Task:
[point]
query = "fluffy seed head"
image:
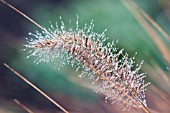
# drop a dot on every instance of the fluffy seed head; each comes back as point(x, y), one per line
point(105, 64)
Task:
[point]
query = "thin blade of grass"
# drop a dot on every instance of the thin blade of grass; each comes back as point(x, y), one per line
point(157, 26)
point(149, 30)
point(36, 88)
point(23, 106)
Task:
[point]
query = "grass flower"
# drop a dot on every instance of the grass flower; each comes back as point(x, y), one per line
point(107, 65)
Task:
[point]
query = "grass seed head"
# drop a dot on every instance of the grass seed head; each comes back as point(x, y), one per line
point(106, 64)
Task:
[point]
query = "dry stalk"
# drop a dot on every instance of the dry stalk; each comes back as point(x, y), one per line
point(23, 106)
point(36, 88)
point(156, 25)
point(149, 30)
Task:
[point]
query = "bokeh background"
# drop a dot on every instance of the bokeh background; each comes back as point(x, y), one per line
point(123, 20)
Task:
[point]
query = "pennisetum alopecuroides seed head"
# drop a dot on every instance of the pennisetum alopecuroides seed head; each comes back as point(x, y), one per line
point(107, 65)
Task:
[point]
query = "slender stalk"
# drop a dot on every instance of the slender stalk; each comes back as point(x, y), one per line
point(149, 30)
point(36, 88)
point(143, 13)
point(23, 106)
point(24, 15)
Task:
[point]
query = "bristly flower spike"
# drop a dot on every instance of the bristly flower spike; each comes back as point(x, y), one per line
point(107, 65)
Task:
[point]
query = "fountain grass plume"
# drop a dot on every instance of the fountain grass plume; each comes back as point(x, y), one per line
point(85, 50)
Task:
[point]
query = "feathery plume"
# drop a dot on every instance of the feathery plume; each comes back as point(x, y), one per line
point(105, 64)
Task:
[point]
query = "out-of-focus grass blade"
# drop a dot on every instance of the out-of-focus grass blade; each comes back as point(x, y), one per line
point(149, 30)
point(143, 13)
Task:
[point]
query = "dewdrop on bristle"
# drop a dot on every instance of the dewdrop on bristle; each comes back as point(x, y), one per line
point(84, 49)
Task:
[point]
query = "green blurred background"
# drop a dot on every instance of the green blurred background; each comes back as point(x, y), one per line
point(63, 85)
